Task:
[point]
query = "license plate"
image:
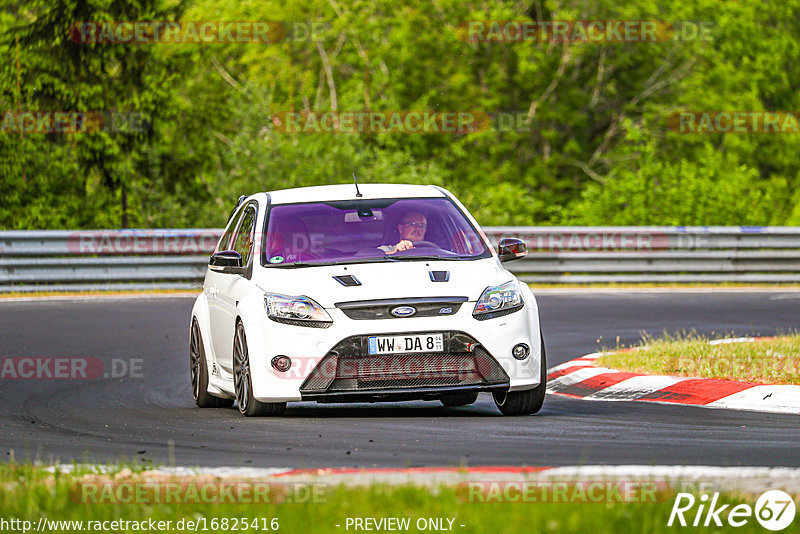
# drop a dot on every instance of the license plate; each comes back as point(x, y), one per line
point(405, 344)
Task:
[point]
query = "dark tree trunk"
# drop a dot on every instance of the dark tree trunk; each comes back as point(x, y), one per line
point(124, 207)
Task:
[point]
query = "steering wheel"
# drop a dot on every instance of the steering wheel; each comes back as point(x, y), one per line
point(424, 244)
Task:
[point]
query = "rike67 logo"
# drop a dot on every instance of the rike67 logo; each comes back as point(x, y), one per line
point(774, 510)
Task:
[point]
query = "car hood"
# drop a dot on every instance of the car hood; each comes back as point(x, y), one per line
point(406, 279)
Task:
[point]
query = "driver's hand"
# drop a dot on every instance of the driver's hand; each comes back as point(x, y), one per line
point(405, 244)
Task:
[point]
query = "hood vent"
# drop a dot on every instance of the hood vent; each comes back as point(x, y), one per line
point(347, 280)
point(439, 276)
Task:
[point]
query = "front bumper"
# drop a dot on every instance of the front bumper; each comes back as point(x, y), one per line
point(320, 350)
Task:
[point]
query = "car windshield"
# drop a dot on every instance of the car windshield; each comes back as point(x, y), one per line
point(369, 230)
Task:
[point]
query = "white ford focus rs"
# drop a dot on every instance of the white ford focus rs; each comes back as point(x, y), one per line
point(390, 293)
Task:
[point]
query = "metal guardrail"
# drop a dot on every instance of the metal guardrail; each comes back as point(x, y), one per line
point(579, 255)
point(176, 259)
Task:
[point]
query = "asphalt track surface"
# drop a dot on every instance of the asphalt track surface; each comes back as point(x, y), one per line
point(136, 418)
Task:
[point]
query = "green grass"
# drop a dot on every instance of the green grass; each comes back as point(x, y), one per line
point(768, 361)
point(29, 493)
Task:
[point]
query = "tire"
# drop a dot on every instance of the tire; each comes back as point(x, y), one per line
point(462, 399)
point(198, 372)
point(524, 402)
point(243, 381)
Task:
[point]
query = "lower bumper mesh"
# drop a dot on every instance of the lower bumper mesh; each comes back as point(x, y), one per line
point(347, 370)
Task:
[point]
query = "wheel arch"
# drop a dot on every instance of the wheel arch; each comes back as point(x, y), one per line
point(201, 315)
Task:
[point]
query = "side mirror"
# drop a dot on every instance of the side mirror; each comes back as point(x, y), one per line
point(511, 248)
point(226, 261)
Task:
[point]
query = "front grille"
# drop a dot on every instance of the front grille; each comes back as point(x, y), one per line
point(409, 382)
point(382, 309)
point(410, 364)
point(346, 369)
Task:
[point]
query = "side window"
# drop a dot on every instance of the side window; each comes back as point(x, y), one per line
point(243, 240)
point(225, 240)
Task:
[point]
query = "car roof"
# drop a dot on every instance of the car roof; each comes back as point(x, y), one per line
point(348, 192)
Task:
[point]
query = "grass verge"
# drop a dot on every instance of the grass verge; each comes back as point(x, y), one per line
point(769, 361)
point(29, 493)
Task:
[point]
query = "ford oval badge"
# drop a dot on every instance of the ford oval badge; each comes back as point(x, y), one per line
point(404, 311)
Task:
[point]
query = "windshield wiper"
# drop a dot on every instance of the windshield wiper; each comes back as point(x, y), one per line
point(334, 262)
point(429, 257)
point(303, 264)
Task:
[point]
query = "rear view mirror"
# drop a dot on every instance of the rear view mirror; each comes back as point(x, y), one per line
point(226, 261)
point(362, 215)
point(511, 248)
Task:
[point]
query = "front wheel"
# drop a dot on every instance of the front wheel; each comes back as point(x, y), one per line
point(243, 381)
point(524, 402)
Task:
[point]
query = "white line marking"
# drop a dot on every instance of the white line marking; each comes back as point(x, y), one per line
point(731, 340)
point(583, 360)
point(247, 472)
point(674, 471)
point(775, 399)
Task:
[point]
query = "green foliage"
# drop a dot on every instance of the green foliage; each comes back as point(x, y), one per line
point(595, 147)
point(96, 178)
point(712, 189)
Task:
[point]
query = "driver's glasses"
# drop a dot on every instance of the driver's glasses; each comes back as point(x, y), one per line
point(417, 225)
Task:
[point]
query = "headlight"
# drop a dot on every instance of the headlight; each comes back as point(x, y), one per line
point(300, 311)
point(498, 300)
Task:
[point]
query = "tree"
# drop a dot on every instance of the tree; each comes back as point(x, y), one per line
point(108, 172)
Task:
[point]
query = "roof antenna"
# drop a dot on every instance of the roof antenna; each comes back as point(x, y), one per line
point(358, 193)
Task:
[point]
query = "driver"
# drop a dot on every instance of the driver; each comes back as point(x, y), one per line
point(412, 228)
